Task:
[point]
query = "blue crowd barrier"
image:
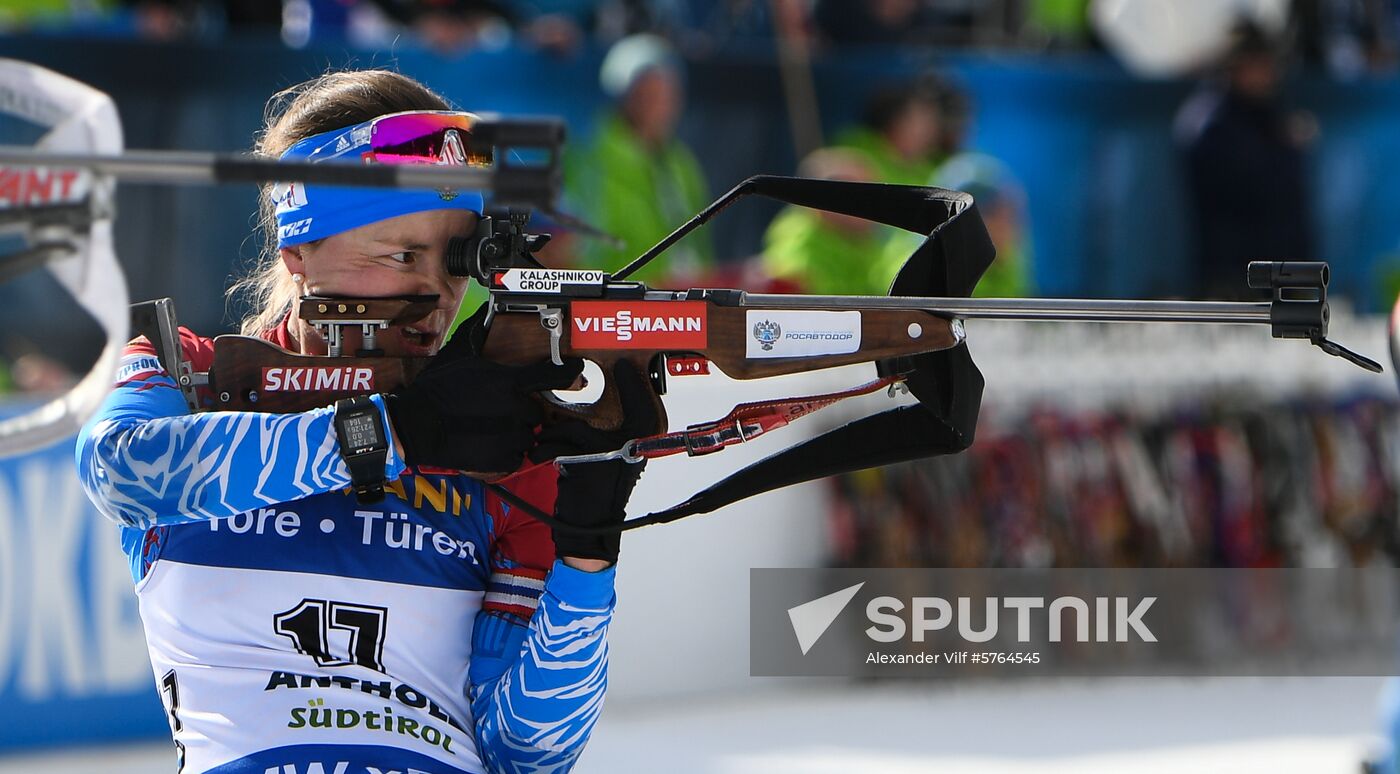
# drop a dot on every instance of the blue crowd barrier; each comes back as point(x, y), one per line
point(73, 663)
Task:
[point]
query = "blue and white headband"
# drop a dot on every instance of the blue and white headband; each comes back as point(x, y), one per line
point(308, 212)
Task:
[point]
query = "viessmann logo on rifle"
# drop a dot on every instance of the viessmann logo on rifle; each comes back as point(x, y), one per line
point(311, 378)
point(639, 325)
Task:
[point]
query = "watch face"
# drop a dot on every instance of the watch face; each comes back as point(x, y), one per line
point(361, 432)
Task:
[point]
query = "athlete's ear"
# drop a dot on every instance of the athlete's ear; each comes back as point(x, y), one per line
point(293, 260)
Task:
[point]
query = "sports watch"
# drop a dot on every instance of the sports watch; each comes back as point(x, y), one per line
point(359, 427)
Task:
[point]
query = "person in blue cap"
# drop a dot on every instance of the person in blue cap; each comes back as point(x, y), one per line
point(292, 627)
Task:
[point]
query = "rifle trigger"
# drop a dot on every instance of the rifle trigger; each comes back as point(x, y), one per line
point(553, 321)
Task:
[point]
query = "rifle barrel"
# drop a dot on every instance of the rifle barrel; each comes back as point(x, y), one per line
point(1100, 310)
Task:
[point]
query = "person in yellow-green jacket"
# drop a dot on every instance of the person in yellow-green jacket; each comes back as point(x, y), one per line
point(901, 134)
point(822, 252)
point(635, 180)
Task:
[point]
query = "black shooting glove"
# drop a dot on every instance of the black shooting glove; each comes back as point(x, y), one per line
point(464, 412)
point(594, 494)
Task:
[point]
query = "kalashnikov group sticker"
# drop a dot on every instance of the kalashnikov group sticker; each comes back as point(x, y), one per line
point(776, 333)
point(547, 280)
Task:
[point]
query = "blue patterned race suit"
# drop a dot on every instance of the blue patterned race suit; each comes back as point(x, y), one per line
point(292, 629)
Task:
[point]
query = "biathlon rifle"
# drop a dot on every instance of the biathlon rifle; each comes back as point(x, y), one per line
point(914, 336)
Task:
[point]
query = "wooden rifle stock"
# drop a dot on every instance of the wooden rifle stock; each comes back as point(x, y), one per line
point(251, 374)
point(518, 339)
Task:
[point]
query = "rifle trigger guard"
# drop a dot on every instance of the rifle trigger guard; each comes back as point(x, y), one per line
point(553, 321)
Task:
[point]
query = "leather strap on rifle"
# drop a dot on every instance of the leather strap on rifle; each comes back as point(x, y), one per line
point(746, 422)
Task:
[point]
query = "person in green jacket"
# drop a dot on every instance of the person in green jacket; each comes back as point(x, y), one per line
point(635, 180)
point(901, 135)
point(823, 252)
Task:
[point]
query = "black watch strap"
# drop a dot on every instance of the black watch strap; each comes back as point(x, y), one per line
point(364, 445)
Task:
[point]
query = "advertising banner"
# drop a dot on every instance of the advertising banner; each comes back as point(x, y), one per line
point(73, 664)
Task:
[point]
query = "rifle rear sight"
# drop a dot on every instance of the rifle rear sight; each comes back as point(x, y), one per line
point(500, 243)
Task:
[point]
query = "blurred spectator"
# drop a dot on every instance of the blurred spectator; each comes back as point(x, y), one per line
point(902, 133)
point(1347, 37)
point(908, 130)
point(446, 26)
point(811, 251)
point(744, 21)
point(549, 22)
point(869, 22)
point(562, 26)
point(24, 368)
point(699, 27)
point(558, 29)
point(973, 23)
point(636, 180)
point(457, 26)
point(1245, 168)
point(360, 22)
point(166, 20)
point(1000, 197)
point(38, 373)
point(1001, 200)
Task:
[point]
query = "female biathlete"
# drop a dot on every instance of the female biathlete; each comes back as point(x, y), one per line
point(291, 627)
